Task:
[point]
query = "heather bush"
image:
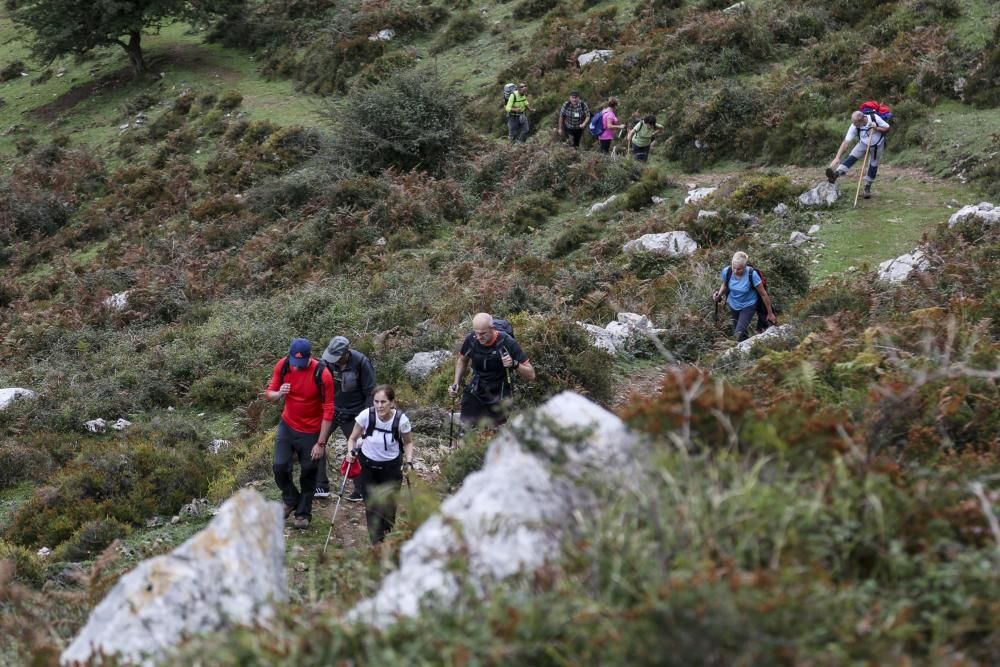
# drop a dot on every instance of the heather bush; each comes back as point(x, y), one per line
point(20, 462)
point(465, 459)
point(412, 119)
point(90, 539)
point(27, 567)
point(222, 390)
point(462, 28)
point(530, 9)
point(640, 195)
point(572, 238)
point(763, 192)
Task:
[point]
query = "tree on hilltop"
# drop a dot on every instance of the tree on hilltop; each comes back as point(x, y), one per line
point(64, 27)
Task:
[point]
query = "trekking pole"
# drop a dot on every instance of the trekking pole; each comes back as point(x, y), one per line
point(451, 421)
point(864, 166)
point(333, 519)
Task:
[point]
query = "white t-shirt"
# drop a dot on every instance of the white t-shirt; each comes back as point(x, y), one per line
point(381, 446)
point(863, 134)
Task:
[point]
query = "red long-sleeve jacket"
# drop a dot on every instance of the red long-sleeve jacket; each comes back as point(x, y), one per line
point(304, 410)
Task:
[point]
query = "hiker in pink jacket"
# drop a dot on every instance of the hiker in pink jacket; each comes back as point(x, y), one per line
point(611, 125)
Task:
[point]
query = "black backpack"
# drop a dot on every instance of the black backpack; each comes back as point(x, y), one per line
point(317, 374)
point(394, 430)
point(504, 326)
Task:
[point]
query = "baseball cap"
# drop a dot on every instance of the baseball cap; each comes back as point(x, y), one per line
point(335, 349)
point(299, 353)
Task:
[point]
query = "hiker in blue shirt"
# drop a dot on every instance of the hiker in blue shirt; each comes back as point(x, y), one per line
point(746, 294)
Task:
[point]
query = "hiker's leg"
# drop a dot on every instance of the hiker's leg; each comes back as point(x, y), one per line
point(525, 128)
point(322, 476)
point(605, 146)
point(640, 153)
point(513, 124)
point(743, 318)
point(282, 466)
point(856, 154)
point(577, 134)
point(383, 517)
point(472, 409)
point(873, 161)
point(303, 444)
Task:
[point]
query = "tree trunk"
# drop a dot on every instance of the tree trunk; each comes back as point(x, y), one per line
point(134, 51)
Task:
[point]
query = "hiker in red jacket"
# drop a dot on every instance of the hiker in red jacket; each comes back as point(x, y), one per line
point(305, 425)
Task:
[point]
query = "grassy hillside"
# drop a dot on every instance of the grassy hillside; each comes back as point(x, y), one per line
point(280, 174)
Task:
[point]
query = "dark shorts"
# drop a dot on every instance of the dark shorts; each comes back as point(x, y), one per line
point(494, 407)
point(640, 153)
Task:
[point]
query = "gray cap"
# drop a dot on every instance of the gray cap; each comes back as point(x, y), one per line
point(335, 349)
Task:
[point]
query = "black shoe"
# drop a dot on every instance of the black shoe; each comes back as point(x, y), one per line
point(321, 492)
point(868, 191)
point(831, 175)
point(355, 496)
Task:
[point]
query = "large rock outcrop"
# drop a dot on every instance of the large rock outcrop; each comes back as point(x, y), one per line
point(771, 334)
point(508, 517)
point(824, 194)
point(616, 335)
point(229, 573)
point(423, 364)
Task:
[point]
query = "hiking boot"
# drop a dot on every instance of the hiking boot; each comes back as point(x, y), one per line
point(321, 492)
point(832, 175)
point(355, 495)
point(288, 509)
point(301, 522)
point(868, 191)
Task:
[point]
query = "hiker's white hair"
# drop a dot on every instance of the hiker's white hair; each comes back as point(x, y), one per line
point(740, 260)
point(856, 116)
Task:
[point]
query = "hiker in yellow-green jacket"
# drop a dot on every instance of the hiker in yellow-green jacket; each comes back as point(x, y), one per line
point(517, 108)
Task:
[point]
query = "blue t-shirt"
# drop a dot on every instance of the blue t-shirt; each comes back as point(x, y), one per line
point(741, 295)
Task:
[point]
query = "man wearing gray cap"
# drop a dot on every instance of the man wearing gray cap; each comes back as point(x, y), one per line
point(353, 384)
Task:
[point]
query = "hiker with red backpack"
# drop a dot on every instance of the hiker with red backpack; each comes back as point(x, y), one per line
point(385, 449)
point(604, 123)
point(307, 389)
point(495, 358)
point(869, 125)
point(746, 294)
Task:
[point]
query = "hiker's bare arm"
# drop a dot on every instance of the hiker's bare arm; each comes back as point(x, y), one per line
point(320, 447)
point(525, 371)
point(840, 151)
point(461, 364)
point(767, 303)
point(722, 291)
point(352, 442)
point(279, 394)
point(407, 446)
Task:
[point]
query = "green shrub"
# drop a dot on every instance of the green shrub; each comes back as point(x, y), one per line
point(572, 238)
point(28, 568)
point(11, 71)
point(230, 100)
point(20, 462)
point(411, 119)
point(530, 211)
point(640, 195)
point(222, 390)
point(90, 539)
point(462, 28)
point(763, 193)
point(532, 9)
point(464, 460)
point(382, 67)
point(787, 274)
point(983, 86)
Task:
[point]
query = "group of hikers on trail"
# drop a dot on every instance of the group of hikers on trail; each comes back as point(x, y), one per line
point(339, 389)
point(575, 116)
point(869, 125)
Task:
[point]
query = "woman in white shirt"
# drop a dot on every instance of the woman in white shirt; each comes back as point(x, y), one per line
point(386, 446)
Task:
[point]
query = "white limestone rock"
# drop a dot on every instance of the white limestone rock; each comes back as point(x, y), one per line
point(697, 194)
point(824, 194)
point(121, 424)
point(770, 334)
point(596, 56)
point(671, 244)
point(616, 335)
point(229, 573)
point(384, 35)
point(984, 212)
point(509, 517)
point(601, 205)
point(707, 214)
point(117, 302)
point(420, 367)
point(781, 210)
point(11, 394)
point(797, 239)
point(813, 230)
point(897, 270)
point(734, 9)
point(96, 425)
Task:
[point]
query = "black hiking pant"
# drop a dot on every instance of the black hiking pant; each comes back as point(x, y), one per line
point(480, 402)
point(742, 318)
point(380, 482)
point(574, 133)
point(290, 444)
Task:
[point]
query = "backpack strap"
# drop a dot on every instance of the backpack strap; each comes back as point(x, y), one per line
point(286, 364)
point(395, 429)
point(371, 423)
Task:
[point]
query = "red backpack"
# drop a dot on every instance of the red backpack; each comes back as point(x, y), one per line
point(871, 107)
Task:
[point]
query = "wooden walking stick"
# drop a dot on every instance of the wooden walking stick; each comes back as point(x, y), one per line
point(864, 167)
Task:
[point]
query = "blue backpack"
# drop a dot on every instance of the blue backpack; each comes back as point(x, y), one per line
point(597, 124)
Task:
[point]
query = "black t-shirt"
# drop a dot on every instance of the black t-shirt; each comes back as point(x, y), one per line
point(485, 359)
